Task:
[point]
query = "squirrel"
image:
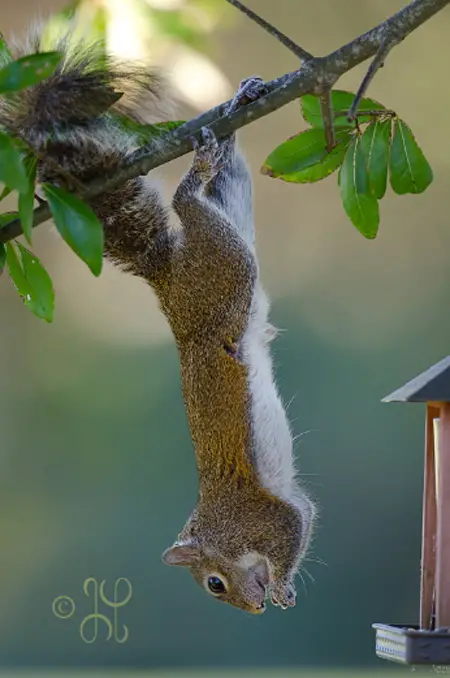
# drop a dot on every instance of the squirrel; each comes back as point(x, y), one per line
point(251, 526)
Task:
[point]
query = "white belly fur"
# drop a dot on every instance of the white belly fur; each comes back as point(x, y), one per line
point(273, 439)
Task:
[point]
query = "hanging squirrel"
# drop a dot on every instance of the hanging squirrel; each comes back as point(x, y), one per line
point(251, 526)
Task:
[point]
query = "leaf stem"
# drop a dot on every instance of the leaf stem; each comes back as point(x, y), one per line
point(388, 42)
point(326, 109)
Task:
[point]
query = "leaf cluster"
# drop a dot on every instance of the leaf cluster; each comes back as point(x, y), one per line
point(368, 150)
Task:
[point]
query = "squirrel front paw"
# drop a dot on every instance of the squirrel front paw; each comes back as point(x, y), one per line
point(208, 156)
point(282, 593)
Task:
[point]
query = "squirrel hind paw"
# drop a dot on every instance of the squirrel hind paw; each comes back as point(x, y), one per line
point(208, 142)
point(208, 155)
point(250, 89)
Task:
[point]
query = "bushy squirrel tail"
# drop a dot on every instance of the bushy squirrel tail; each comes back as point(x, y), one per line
point(72, 121)
point(86, 87)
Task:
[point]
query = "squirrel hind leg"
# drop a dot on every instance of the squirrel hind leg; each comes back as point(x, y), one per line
point(231, 191)
point(231, 187)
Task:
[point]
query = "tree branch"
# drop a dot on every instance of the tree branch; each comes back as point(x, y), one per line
point(313, 77)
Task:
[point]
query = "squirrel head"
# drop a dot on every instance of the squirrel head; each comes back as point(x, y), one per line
point(241, 583)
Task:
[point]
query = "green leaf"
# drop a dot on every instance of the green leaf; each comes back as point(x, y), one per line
point(42, 297)
point(6, 191)
point(146, 132)
point(28, 71)
point(375, 144)
point(26, 200)
point(296, 154)
point(160, 128)
point(356, 193)
point(409, 169)
point(291, 160)
point(16, 271)
point(2, 256)
point(78, 225)
point(181, 26)
point(31, 281)
point(5, 54)
point(7, 217)
point(325, 167)
point(12, 168)
point(341, 101)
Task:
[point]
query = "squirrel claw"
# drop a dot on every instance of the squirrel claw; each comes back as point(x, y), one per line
point(208, 155)
point(249, 90)
point(282, 594)
point(209, 139)
point(208, 143)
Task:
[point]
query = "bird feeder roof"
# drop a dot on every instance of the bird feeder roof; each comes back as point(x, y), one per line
point(431, 385)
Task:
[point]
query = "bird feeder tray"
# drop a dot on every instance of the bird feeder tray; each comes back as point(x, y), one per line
point(412, 645)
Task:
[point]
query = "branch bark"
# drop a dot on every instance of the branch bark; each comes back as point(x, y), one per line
point(315, 75)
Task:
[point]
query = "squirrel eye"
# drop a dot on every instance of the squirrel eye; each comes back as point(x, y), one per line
point(216, 585)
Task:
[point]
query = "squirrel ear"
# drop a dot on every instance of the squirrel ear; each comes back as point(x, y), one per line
point(181, 553)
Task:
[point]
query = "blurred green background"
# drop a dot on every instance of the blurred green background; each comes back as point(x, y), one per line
point(97, 472)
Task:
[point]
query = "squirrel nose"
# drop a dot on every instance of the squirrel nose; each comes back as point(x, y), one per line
point(260, 608)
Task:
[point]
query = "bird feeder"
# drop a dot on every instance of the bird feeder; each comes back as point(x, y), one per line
point(429, 641)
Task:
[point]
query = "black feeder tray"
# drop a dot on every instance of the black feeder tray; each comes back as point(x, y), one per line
point(429, 642)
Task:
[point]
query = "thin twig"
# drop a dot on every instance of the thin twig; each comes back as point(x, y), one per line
point(280, 92)
point(326, 109)
point(281, 37)
point(387, 44)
